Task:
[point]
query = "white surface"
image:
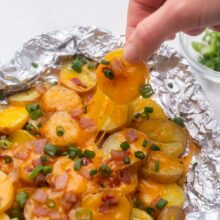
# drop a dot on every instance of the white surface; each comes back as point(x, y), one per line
point(22, 19)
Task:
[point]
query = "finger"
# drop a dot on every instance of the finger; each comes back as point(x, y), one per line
point(216, 28)
point(195, 32)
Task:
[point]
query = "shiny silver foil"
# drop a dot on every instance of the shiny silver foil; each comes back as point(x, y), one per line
point(185, 99)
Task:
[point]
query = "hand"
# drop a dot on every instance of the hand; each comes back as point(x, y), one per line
point(150, 22)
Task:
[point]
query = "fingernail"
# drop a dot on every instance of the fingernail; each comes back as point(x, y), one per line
point(131, 53)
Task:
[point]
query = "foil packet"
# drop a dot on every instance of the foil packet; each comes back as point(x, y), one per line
point(185, 99)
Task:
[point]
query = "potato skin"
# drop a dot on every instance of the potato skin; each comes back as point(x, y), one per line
point(70, 126)
point(169, 169)
point(173, 212)
point(59, 98)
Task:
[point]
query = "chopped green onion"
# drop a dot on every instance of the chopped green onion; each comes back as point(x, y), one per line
point(108, 73)
point(60, 131)
point(149, 210)
point(148, 109)
point(44, 158)
point(124, 145)
point(21, 198)
point(65, 153)
point(46, 170)
point(170, 85)
point(8, 159)
point(29, 127)
point(146, 91)
point(34, 111)
point(145, 143)
point(127, 160)
point(139, 154)
point(154, 147)
point(78, 164)
point(105, 170)
point(32, 107)
point(179, 121)
point(35, 172)
point(34, 65)
point(93, 172)
point(89, 154)
point(156, 166)
point(144, 115)
point(77, 65)
point(161, 204)
point(52, 150)
point(72, 154)
point(74, 151)
point(105, 62)
point(51, 204)
point(84, 214)
point(91, 66)
point(4, 143)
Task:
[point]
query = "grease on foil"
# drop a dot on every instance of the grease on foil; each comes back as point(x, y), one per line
point(185, 99)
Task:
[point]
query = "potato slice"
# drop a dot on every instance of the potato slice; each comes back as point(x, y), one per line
point(162, 168)
point(13, 118)
point(119, 208)
point(138, 214)
point(106, 114)
point(170, 137)
point(112, 148)
point(24, 98)
point(80, 82)
point(141, 103)
point(70, 127)
point(4, 216)
point(172, 213)
point(120, 80)
point(59, 98)
point(21, 137)
point(6, 192)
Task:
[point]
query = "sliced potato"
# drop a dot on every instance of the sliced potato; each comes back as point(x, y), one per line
point(141, 103)
point(122, 80)
point(4, 216)
point(106, 114)
point(172, 213)
point(138, 214)
point(111, 146)
point(59, 98)
point(119, 208)
point(13, 118)
point(162, 167)
point(6, 192)
point(24, 98)
point(21, 137)
point(80, 82)
point(170, 137)
point(71, 130)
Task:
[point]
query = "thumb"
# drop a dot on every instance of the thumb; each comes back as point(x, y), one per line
point(149, 34)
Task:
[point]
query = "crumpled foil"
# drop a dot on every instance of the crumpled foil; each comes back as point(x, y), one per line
point(185, 99)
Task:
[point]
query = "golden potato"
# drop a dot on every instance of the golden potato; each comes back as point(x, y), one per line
point(6, 192)
point(162, 167)
point(120, 80)
point(138, 214)
point(59, 98)
point(61, 121)
point(107, 204)
point(106, 114)
point(13, 118)
point(24, 98)
point(127, 143)
point(140, 104)
point(4, 216)
point(170, 137)
point(21, 137)
point(172, 213)
point(80, 82)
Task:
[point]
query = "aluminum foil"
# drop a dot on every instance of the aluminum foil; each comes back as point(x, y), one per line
point(185, 99)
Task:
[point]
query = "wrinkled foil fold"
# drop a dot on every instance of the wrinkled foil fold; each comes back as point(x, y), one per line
point(185, 99)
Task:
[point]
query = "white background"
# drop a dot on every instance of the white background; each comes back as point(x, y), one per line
point(22, 19)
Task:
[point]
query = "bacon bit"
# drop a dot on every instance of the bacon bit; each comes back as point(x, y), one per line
point(87, 124)
point(118, 155)
point(55, 215)
point(40, 196)
point(61, 181)
point(22, 155)
point(13, 175)
point(41, 89)
point(125, 177)
point(40, 180)
point(36, 162)
point(76, 113)
point(117, 65)
point(40, 211)
point(131, 135)
point(77, 82)
point(109, 201)
point(39, 145)
point(68, 200)
point(114, 181)
point(85, 173)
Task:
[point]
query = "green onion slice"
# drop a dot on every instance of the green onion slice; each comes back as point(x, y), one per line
point(84, 214)
point(21, 198)
point(105, 170)
point(146, 91)
point(124, 145)
point(52, 150)
point(161, 203)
